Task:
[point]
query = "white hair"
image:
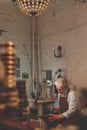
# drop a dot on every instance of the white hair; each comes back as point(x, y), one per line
point(61, 82)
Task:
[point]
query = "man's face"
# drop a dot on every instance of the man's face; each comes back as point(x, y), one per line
point(59, 87)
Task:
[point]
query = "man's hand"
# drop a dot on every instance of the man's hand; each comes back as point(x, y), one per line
point(54, 117)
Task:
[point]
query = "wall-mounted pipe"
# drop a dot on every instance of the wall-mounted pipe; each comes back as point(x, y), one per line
point(33, 50)
point(39, 61)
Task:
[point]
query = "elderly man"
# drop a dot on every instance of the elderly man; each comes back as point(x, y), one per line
point(67, 103)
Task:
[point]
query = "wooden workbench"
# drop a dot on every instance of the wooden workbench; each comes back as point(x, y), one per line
point(44, 106)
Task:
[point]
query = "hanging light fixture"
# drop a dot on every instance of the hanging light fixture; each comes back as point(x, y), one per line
point(33, 7)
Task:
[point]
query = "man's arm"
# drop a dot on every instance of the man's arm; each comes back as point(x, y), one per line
point(72, 104)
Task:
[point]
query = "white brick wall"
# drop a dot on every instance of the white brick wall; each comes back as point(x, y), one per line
point(19, 31)
point(68, 27)
point(64, 23)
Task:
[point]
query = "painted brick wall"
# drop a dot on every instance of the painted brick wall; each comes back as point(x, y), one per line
point(19, 31)
point(66, 25)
